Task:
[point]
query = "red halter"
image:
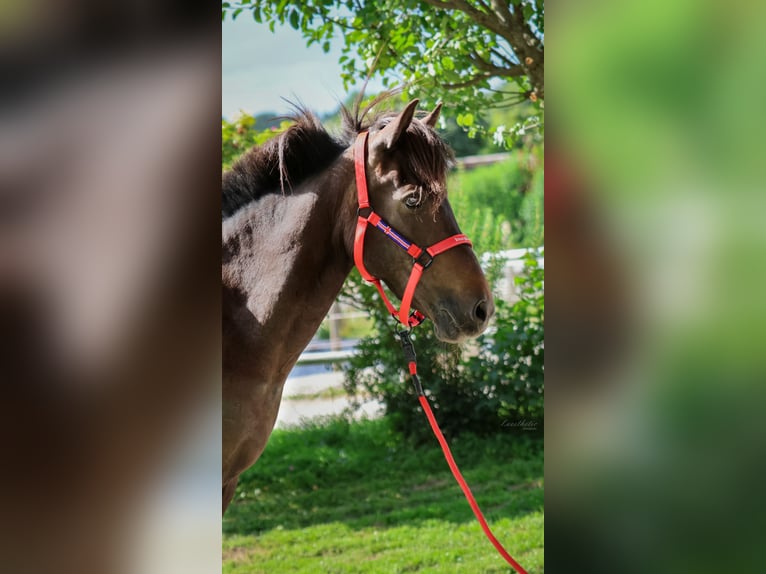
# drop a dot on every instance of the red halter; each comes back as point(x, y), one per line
point(422, 257)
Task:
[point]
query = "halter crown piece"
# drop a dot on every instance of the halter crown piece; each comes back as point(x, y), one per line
point(422, 258)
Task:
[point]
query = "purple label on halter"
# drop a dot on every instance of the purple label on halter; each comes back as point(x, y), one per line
point(400, 241)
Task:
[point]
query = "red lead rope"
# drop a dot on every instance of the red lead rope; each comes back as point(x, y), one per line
point(422, 259)
point(409, 353)
point(464, 486)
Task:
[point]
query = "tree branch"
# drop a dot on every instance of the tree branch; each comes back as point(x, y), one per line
point(506, 92)
point(484, 5)
point(343, 24)
point(401, 61)
point(508, 72)
point(526, 46)
point(502, 57)
point(500, 7)
point(520, 26)
point(505, 49)
point(489, 21)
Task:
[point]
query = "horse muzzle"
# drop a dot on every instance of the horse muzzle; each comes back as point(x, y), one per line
point(454, 322)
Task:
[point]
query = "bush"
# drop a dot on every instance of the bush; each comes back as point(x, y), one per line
point(483, 387)
point(510, 362)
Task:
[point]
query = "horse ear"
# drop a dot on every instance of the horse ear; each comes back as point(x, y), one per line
point(390, 134)
point(430, 119)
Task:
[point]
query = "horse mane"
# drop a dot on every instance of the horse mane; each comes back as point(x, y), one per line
point(285, 161)
point(306, 148)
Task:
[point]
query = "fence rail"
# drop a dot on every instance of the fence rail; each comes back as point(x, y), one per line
point(471, 161)
point(325, 357)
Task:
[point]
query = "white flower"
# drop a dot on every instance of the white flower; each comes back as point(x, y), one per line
point(498, 135)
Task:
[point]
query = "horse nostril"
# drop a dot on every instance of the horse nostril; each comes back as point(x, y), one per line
point(480, 311)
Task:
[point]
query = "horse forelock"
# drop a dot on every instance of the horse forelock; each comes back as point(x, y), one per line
point(427, 159)
point(422, 154)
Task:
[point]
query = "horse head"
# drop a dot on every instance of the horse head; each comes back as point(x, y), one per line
point(406, 173)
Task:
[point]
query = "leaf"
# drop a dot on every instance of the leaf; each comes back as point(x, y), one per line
point(326, 47)
point(448, 63)
point(528, 12)
point(294, 19)
point(465, 120)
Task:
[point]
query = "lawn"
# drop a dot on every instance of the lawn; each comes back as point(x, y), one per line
point(355, 497)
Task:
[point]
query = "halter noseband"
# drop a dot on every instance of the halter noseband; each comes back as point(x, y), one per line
point(422, 258)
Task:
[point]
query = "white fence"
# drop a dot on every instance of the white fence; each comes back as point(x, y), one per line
point(506, 288)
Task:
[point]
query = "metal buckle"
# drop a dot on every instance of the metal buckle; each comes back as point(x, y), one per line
point(419, 259)
point(407, 347)
point(360, 209)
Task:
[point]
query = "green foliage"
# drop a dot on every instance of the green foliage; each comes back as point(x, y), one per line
point(455, 54)
point(507, 197)
point(458, 138)
point(358, 497)
point(532, 213)
point(496, 383)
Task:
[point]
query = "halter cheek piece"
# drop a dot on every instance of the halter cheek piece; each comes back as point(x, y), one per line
point(422, 258)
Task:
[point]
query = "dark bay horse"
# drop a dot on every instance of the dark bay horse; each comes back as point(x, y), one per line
point(289, 222)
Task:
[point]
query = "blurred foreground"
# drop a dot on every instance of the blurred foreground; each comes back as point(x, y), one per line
point(655, 279)
point(109, 266)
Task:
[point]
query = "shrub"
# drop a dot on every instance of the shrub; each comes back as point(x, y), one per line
point(510, 362)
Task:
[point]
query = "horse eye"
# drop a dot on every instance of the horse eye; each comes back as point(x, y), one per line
point(412, 201)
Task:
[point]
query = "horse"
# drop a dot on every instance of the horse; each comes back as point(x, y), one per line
point(290, 217)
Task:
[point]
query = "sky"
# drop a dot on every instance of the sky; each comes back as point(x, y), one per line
point(259, 68)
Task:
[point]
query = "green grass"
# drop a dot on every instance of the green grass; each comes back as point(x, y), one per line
point(356, 498)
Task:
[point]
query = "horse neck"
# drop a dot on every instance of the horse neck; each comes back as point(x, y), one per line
point(286, 257)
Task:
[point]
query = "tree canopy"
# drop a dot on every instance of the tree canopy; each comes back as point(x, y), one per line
point(471, 54)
